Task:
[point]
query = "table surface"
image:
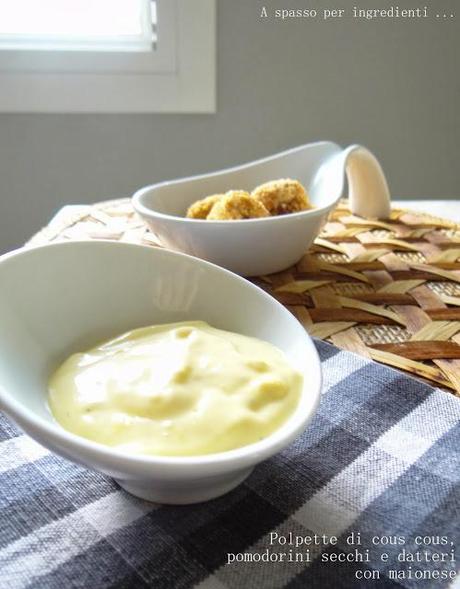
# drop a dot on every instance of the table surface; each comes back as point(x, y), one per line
point(380, 458)
point(449, 209)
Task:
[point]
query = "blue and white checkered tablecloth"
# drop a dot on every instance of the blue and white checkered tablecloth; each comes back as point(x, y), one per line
point(380, 460)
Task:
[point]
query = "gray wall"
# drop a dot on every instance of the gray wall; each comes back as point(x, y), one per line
point(393, 86)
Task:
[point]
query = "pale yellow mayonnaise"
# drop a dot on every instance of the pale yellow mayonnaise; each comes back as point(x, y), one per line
point(181, 389)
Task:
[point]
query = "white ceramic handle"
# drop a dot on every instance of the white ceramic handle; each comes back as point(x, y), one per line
point(368, 191)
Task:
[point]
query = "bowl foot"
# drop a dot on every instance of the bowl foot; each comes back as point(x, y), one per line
point(185, 492)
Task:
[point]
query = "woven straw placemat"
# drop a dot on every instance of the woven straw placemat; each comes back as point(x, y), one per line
point(388, 290)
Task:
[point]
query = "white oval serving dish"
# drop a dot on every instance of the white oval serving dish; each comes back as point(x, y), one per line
point(65, 297)
point(253, 247)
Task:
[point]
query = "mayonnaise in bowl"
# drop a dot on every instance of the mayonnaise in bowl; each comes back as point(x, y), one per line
point(181, 389)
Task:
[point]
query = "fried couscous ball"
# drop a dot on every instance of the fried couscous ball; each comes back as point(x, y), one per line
point(237, 204)
point(282, 196)
point(201, 208)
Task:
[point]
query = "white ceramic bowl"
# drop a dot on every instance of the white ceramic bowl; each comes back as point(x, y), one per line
point(252, 247)
point(65, 297)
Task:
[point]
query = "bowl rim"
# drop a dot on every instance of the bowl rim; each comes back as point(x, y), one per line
point(143, 209)
point(248, 454)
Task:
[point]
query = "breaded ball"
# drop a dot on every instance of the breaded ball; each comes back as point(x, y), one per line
point(237, 204)
point(282, 196)
point(201, 208)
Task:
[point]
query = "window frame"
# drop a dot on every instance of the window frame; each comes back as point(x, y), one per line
point(179, 76)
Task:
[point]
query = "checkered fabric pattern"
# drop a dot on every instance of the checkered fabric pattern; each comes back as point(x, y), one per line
point(380, 458)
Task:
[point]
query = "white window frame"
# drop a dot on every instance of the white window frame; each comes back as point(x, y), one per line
point(179, 76)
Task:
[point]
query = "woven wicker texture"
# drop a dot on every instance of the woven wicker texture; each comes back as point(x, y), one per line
point(388, 290)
